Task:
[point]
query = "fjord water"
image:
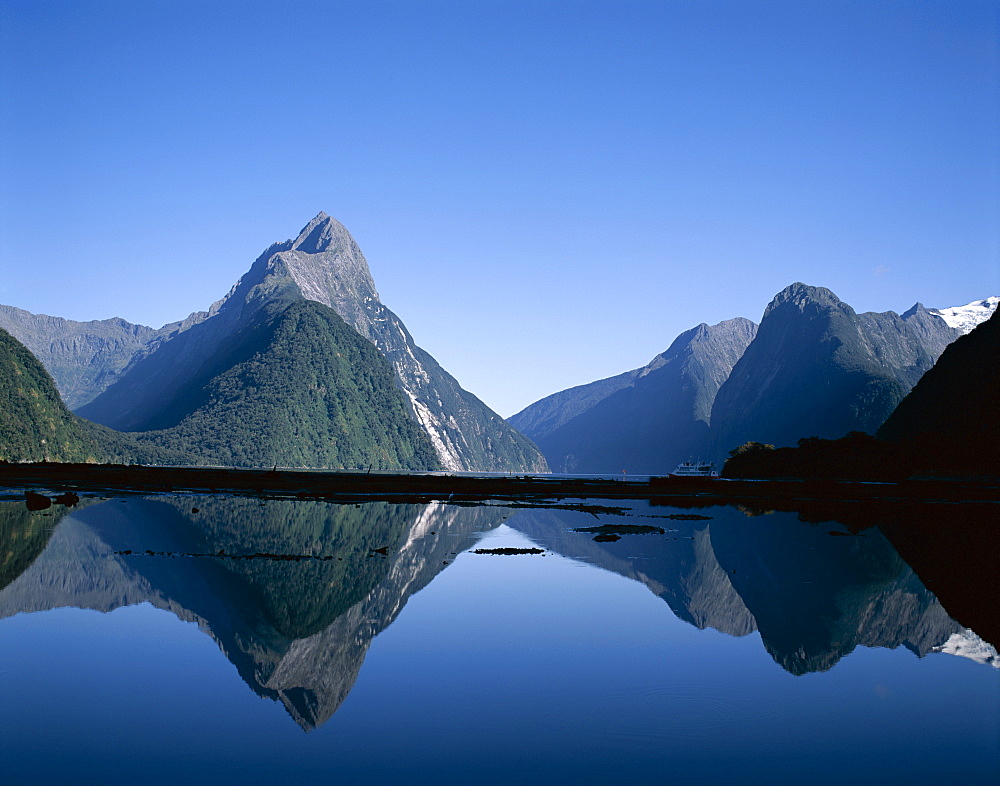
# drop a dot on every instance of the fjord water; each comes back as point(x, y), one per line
point(186, 638)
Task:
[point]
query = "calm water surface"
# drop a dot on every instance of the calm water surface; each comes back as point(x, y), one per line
point(201, 639)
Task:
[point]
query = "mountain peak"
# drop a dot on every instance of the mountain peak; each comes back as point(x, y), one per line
point(799, 295)
point(916, 308)
point(319, 234)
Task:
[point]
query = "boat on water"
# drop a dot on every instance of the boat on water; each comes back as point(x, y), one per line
point(689, 470)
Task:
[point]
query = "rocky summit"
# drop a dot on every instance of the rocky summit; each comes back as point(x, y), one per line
point(322, 264)
point(818, 368)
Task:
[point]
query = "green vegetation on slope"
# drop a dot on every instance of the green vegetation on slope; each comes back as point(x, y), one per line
point(34, 423)
point(301, 389)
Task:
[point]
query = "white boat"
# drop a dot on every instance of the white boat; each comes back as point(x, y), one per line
point(695, 469)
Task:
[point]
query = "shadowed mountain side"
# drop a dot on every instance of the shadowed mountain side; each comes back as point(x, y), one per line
point(817, 368)
point(958, 400)
point(679, 567)
point(953, 549)
point(296, 389)
point(948, 425)
point(84, 358)
point(660, 415)
point(297, 630)
point(323, 265)
point(150, 394)
point(546, 415)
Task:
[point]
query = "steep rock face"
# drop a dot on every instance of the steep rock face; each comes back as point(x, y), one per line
point(325, 264)
point(925, 323)
point(322, 264)
point(816, 368)
point(659, 415)
point(84, 358)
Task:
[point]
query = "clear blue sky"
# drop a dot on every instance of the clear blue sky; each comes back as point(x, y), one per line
point(547, 192)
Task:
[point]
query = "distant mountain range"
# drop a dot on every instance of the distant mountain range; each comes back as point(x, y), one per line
point(85, 358)
point(280, 371)
point(646, 420)
point(813, 367)
point(300, 364)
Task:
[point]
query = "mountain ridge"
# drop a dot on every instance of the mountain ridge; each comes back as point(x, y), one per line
point(646, 420)
point(817, 368)
point(814, 367)
point(322, 264)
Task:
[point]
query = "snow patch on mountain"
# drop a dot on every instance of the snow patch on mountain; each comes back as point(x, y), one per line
point(967, 644)
point(966, 317)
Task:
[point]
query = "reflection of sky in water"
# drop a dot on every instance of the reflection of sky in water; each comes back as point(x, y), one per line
point(528, 668)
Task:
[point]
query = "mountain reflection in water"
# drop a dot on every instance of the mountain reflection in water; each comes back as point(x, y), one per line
point(294, 592)
point(813, 594)
point(297, 629)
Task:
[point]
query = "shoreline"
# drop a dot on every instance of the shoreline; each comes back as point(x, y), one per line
point(339, 485)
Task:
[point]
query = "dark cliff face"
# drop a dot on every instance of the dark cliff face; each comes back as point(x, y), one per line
point(322, 264)
point(817, 368)
point(956, 403)
point(645, 421)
